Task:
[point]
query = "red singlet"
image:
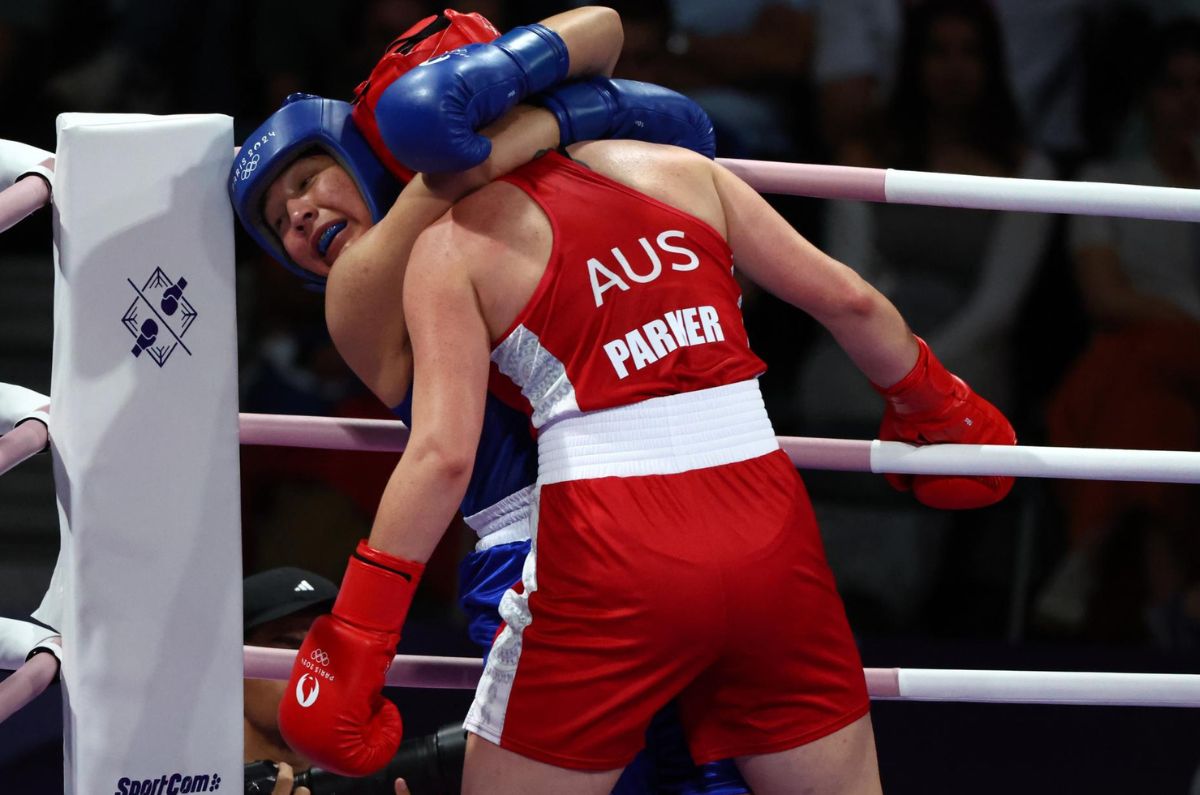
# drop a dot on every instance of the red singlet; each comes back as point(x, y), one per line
point(675, 553)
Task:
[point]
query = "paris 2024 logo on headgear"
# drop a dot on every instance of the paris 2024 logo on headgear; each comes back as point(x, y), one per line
point(159, 317)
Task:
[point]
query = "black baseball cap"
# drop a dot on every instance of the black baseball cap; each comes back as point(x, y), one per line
point(280, 592)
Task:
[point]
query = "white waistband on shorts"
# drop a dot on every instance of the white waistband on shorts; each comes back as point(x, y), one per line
point(659, 436)
point(502, 522)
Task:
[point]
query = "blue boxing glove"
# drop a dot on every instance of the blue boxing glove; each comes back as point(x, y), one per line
point(600, 107)
point(428, 117)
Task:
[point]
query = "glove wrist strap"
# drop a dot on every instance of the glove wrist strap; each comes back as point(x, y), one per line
point(926, 388)
point(377, 589)
point(584, 109)
point(541, 54)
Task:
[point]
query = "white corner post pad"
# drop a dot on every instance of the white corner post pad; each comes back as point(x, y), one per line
point(144, 400)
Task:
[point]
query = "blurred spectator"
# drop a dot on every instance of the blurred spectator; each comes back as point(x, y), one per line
point(323, 48)
point(856, 67)
point(158, 58)
point(1163, 11)
point(311, 506)
point(25, 57)
point(646, 55)
point(958, 276)
point(289, 366)
point(747, 63)
point(278, 607)
point(1138, 383)
point(223, 56)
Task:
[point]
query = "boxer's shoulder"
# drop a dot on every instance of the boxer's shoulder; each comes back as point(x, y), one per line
point(495, 224)
point(670, 174)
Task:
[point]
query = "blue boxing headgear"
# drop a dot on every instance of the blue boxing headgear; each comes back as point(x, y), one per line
point(304, 122)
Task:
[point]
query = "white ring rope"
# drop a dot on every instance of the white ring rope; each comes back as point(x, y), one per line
point(848, 455)
point(844, 455)
point(968, 191)
point(893, 684)
point(890, 684)
point(876, 185)
point(1036, 687)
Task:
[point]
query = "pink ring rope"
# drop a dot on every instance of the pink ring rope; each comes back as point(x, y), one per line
point(27, 683)
point(21, 199)
point(26, 440)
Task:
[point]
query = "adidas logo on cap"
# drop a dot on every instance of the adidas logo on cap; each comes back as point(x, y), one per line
point(304, 586)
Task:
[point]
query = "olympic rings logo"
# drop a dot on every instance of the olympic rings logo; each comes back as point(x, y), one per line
point(246, 170)
point(320, 656)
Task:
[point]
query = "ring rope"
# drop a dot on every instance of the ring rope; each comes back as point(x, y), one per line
point(21, 199)
point(894, 684)
point(25, 441)
point(29, 682)
point(885, 684)
point(849, 455)
point(968, 191)
point(845, 455)
point(894, 186)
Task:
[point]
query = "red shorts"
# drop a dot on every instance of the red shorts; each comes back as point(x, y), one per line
point(709, 586)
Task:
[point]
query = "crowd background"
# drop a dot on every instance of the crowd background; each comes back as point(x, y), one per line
point(1086, 332)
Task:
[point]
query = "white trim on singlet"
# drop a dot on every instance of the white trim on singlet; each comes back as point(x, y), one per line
point(503, 522)
point(659, 436)
point(538, 372)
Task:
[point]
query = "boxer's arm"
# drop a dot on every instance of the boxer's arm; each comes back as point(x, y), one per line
point(430, 117)
point(594, 37)
point(450, 345)
point(363, 306)
point(1108, 294)
point(925, 403)
point(363, 298)
point(516, 139)
point(778, 258)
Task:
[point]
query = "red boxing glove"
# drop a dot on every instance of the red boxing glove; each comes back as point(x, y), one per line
point(929, 405)
point(333, 709)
